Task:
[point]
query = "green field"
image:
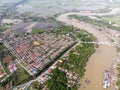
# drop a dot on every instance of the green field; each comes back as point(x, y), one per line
point(37, 31)
point(103, 22)
point(20, 76)
point(114, 19)
point(3, 28)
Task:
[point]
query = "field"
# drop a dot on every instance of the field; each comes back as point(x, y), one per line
point(44, 26)
point(3, 28)
point(101, 22)
point(114, 19)
point(20, 27)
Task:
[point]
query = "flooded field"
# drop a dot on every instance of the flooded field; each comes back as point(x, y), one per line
point(47, 7)
point(48, 26)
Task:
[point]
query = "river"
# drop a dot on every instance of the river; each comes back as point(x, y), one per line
point(100, 60)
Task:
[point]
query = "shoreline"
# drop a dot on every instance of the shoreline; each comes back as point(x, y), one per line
point(99, 60)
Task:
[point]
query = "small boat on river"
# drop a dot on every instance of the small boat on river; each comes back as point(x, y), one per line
point(107, 79)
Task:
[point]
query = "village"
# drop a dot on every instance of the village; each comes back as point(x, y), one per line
point(35, 52)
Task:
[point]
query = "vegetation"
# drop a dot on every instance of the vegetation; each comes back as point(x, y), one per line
point(24, 64)
point(100, 23)
point(3, 28)
point(118, 81)
point(79, 56)
point(113, 19)
point(5, 57)
point(105, 10)
point(85, 36)
point(35, 86)
point(58, 80)
point(63, 29)
point(37, 19)
point(20, 76)
point(118, 49)
point(37, 31)
point(75, 62)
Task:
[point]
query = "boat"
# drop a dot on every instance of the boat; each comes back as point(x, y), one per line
point(106, 82)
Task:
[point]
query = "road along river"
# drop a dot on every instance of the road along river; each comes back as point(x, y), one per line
point(100, 60)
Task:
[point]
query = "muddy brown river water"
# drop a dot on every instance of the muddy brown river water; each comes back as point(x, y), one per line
point(100, 60)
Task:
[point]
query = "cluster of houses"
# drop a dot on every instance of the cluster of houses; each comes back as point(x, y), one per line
point(71, 76)
point(113, 34)
point(10, 67)
point(37, 50)
point(45, 75)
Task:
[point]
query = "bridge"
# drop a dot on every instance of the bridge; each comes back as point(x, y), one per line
point(102, 43)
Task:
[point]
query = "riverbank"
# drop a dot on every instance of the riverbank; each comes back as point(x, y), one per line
point(99, 60)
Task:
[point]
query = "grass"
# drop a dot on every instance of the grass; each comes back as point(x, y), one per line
point(118, 81)
point(6, 70)
point(2, 77)
point(24, 64)
point(63, 29)
point(118, 50)
point(35, 86)
point(20, 76)
point(3, 28)
point(115, 19)
point(37, 31)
